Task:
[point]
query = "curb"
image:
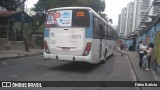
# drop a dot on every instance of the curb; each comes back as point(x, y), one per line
point(136, 76)
point(157, 78)
point(23, 56)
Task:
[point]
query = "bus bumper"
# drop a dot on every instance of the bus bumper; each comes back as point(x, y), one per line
point(68, 57)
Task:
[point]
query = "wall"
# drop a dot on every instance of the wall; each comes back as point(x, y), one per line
point(152, 35)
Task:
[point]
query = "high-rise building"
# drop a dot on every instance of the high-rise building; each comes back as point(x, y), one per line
point(129, 18)
point(119, 23)
point(152, 9)
point(155, 9)
point(136, 15)
point(123, 20)
point(140, 10)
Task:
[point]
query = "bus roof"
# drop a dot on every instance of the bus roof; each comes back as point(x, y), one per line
point(69, 8)
point(91, 10)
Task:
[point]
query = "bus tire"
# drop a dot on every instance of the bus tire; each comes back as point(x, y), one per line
point(112, 53)
point(103, 62)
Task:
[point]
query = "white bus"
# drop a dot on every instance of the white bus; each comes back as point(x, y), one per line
point(77, 34)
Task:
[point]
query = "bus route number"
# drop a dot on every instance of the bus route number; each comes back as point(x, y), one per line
point(80, 14)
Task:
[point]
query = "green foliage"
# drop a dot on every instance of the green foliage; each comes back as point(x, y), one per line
point(11, 5)
point(43, 5)
point(98, 5)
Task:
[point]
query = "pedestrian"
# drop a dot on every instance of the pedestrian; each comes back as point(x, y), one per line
point(145, 61)
point(149, 54)
point(142, 48)
point(140, 42)
point(122, 48)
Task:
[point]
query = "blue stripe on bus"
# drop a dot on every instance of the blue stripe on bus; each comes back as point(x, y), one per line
point(46, 33)
point(89, 31)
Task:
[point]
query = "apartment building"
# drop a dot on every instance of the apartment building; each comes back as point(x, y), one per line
point(123, 20)
point(140, 10)
point(129, 18)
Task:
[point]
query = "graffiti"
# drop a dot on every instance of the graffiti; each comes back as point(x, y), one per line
point(157, 48)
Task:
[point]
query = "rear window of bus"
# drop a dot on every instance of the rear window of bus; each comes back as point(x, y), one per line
point(68, 18)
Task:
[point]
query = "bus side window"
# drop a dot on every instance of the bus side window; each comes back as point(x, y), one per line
point(111, 34)
point(108, 32)
point(105, 32)
point(101, 31)
point(96, 33)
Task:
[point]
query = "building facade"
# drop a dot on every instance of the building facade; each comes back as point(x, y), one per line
point(140, 10)
point(123, 21)
point(119, 22)
point(129, 18)
point(155, 10)
point(136, 15)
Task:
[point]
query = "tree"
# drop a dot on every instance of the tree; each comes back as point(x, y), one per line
point(106, 18)
point(110, 20)
point(43, 5)
point(11, 5)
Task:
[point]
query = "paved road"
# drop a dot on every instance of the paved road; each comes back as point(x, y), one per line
point(116, 68)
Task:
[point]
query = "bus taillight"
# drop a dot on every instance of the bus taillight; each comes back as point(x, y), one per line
point(87, 49)
point(46, 47)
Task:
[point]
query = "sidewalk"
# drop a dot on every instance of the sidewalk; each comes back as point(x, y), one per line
point(141, 74)
point(18, 53)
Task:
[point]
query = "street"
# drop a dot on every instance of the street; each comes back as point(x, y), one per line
point(116, 68)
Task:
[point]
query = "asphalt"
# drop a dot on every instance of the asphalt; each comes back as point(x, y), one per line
point(151, 75)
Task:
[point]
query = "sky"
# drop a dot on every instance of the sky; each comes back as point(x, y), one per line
point(30, 3)
point(113, 8)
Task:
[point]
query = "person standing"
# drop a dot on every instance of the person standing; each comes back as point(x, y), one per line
point(145, 61)
point(142, 48)
point(122, 48)
point(149, 54)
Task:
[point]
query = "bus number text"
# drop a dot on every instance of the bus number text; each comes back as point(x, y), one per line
point(80, 14)
point(75, 36)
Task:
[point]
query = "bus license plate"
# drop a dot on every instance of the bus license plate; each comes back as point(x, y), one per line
point(65, 49)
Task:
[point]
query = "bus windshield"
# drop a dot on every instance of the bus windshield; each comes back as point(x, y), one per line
point(68, 18)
